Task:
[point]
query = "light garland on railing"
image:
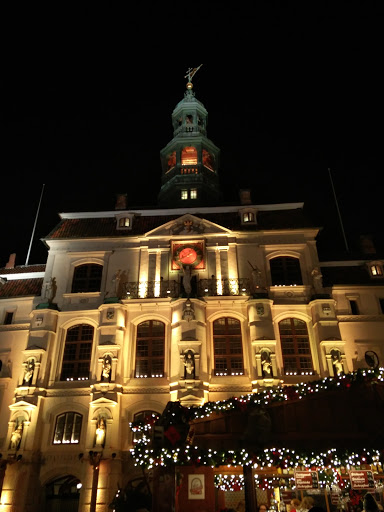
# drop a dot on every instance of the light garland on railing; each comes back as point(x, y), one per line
point(283, 458)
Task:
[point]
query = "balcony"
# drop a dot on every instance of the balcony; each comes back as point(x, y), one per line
point(174, 289)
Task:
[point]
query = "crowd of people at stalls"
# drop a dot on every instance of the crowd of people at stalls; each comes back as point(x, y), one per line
point(308, 504)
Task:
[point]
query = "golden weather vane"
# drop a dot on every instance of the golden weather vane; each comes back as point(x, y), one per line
point(191, 73)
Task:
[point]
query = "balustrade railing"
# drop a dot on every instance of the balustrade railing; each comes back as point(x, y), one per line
point(174, 289)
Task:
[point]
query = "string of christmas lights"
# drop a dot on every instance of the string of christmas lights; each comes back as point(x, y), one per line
point(285, 459)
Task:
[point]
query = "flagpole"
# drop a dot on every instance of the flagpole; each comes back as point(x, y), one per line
point(34, 227)
point(338, 211)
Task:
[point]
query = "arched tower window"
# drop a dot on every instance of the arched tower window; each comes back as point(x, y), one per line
point(189, 156)
point(77, 353)
point(286, 271)
point(295, 347)
point(150, 348)
point(208, 160)
point(228, 347)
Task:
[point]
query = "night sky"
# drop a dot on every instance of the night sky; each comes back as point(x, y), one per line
point(289, 93)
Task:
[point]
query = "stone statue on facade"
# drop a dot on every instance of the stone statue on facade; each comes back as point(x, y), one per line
point(100, 432)
point(266, 364)
point(189, 365)
point(28, 373)
point(107, 369)
point(317, 280)
point(337, 362)
point(16, 436)
point(187, 279)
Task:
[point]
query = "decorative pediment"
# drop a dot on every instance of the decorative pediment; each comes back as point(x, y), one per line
point(188, 225)
point(105, 399)
point(24, 402)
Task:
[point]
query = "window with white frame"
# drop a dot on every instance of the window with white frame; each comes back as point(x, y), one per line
point(295, 347)
point(150, 349)
point(227, 347)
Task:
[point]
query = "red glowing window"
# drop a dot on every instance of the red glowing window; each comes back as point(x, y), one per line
point(189, 156)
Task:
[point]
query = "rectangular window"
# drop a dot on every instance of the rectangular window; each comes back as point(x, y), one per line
point(227, 347)
point(125, 222)
point(184, 194)
point(193, 193)
point(8, 318)
point(376, 270)
point(354, 307)
point(248, 217)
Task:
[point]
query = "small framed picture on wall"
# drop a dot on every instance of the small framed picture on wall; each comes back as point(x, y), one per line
point(196, 487)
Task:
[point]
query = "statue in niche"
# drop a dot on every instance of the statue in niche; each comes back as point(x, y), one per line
point(106, 371)
point(100, 432)
point(317, 280)
point(28, 373)
point(337, 362)
point(189, 365)
point(16, 436)
point(188, 311)
point(266, 364)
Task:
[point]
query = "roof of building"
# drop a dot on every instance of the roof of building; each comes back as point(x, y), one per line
point(107, 226)
point(346, 274)
point(21, 287)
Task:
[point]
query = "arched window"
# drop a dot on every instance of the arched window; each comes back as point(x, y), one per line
point(143, 423)
point(285, 271)
point(227, 347)
point(68, 428)
point(150, 344)
point(77, 353)
point(294, 339)
point(189, 156)
point(87, 278)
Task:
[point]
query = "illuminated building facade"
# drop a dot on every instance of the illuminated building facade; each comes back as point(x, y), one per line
point(190, 302)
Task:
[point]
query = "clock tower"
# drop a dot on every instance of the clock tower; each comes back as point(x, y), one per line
point(190, 160)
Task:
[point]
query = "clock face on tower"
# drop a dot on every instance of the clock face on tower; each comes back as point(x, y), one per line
point(188, 253)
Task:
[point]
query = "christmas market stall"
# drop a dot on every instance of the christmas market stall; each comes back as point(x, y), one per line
point(322, 438)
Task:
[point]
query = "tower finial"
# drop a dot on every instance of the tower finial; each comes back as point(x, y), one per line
point(190, 74)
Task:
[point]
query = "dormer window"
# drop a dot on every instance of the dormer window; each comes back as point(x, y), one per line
point(124, 221)
point(376, 269)
point(248, 216)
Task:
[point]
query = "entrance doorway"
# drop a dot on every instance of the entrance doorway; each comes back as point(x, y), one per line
point(62, 494)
